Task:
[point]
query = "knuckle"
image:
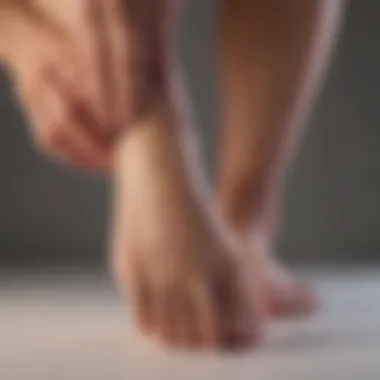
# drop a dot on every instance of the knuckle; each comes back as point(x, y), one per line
point(54, 134)
point(50, 138)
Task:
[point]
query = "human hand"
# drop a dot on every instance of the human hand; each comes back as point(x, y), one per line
point(96, 63)
point(114, 66)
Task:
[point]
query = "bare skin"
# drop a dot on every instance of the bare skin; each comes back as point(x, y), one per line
point(28, 45)
point(191, 281)
point(116, 47)
point(188, 279)
point(190, 284)
point(106, 54)
point(272, 57)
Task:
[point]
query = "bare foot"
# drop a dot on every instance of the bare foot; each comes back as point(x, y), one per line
point(285, 295)
point(188, 282)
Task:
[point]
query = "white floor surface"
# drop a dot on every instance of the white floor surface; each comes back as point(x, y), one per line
point(78, 332)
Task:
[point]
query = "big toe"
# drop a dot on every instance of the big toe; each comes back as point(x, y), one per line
point(292, 299)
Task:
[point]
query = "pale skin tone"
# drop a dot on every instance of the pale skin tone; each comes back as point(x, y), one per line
point(272, 55)
point(187, 277)
point(197, 279)
point(105, 52)
point(29, 45)
point(255, 144)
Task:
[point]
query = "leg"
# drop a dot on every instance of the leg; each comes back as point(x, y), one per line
point(186, 278)
point(273, 55)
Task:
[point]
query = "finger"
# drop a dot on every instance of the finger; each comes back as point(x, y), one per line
point(58, 145)
point(85, 153)
point(61, 135)
point(122, 61)
point(60, 76)
point(62, 149)
point(46, 112)
point(37, 119)
point(92, 48)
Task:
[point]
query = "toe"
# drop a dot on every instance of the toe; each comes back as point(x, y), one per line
point(293, 299)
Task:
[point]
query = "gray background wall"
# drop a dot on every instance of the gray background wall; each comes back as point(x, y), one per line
point(53, 217)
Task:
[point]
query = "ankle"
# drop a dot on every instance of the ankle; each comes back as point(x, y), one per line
point(247, 213)
point(156, 132)
point(240, 212)
point(160, 145)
